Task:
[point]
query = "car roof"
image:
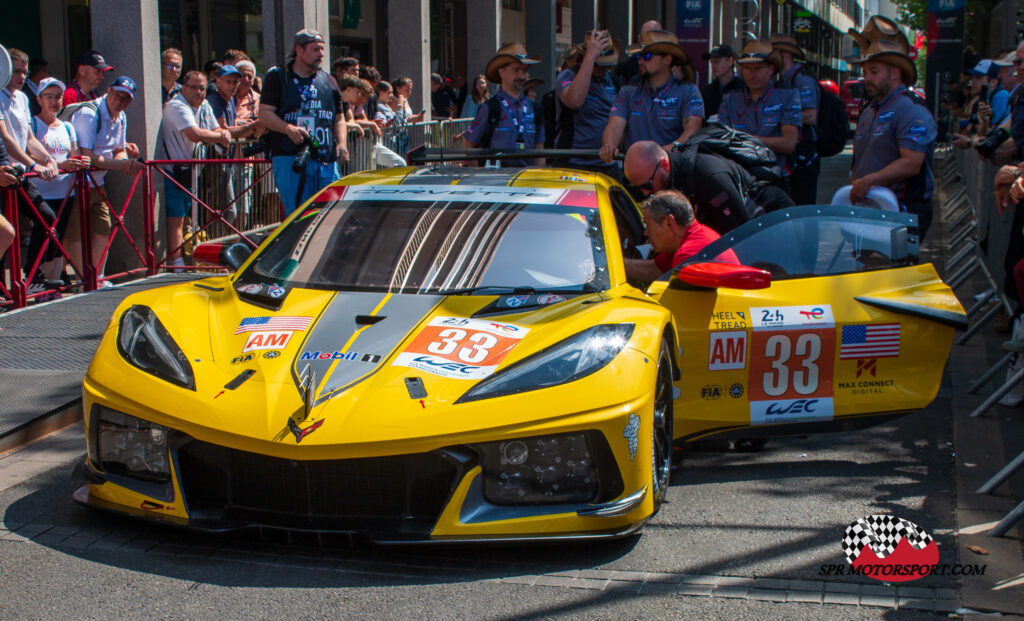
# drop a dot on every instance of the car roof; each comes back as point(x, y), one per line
point(457, 175)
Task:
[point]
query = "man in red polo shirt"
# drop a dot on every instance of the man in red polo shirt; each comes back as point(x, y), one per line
point(674, 234)
point(89, 72)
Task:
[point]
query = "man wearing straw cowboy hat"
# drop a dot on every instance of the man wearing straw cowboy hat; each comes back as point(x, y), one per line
point(764, 108)
point(508, 120)
point(662, 108)
point(895, 134)
point(584, 98)
point(806, 165)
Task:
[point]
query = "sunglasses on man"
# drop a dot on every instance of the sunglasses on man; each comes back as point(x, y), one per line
point(649, 185)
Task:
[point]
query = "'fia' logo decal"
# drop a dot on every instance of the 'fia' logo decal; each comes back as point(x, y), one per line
point(301, 433)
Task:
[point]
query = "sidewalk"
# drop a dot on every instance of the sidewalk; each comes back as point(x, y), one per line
point(46, 350)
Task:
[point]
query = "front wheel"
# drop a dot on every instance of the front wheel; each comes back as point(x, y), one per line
point(661, 436)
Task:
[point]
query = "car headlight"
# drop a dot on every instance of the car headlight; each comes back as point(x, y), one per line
point(130, 446)
point(541, 470)
point(146, 344)
point(565, 361)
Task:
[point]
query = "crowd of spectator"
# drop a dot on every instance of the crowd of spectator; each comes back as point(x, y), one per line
point(641, 104)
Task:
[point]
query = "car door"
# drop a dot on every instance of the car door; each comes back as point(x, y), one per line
point(851, 330)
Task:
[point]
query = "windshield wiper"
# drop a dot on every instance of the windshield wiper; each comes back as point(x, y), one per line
point(514, 290)
point(586, 287)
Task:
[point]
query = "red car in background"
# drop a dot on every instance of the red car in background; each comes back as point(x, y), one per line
point(852, 94)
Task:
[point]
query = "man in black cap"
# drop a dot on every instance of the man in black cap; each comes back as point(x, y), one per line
point(303, 113)
point(88, 75)
point(723, 78)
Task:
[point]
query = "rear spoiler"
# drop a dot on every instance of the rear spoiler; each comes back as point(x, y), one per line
point(424, 154)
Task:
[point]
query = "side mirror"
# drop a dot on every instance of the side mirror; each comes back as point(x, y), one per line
point(715, 275)
point(225, 255)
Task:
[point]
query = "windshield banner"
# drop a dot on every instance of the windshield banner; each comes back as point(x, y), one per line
point(455, 193)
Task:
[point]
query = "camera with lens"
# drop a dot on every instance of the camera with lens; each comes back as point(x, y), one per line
point(992, 141)
point(17, 170)
point(260, 145)
point(309, 145)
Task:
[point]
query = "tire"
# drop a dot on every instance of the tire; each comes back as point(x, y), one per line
point(661, 428)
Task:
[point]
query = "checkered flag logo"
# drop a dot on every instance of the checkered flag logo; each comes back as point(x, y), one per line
point(882, 533)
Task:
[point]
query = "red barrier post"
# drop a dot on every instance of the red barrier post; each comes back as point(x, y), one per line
point(18, 289)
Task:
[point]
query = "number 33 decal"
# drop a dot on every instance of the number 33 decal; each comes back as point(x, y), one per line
point(479, 345)
point(792, 364)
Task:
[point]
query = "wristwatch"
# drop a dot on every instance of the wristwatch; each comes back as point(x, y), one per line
point(676, 144)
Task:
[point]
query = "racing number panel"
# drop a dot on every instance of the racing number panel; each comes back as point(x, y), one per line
point(754, 359)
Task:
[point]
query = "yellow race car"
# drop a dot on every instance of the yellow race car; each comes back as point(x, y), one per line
point(445, 354)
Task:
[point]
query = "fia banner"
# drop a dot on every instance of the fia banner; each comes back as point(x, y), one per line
point(693, 27)
point(945, 52)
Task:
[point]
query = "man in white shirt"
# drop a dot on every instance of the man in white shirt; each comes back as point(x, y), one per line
point(23, 147)
point(102, 136)
point(188, 120)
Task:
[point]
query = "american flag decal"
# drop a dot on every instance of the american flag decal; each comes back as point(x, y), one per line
point(259, 324)
point(870, 341)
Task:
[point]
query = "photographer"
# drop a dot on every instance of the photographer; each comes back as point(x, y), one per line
point(307, 128)
point(188, 120)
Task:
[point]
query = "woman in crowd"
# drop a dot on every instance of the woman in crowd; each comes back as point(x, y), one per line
point(478, 94)
point(61, 142)
point(403, 111)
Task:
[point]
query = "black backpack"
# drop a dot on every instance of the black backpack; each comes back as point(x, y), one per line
point(493, 116)
point(740, 147)
point(558, 122)
point(833, 124)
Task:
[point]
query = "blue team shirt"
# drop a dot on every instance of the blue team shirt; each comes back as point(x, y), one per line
point(999, 101)
point(777, 106)
point(886, 126)
point(807, 87)
point(589, 121)
point(517, 124)
point(659, 114)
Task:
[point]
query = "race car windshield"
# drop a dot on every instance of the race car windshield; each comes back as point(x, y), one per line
point(417, 246)
point(819, 241)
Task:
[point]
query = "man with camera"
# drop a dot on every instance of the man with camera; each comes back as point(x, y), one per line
point(188, 120)
point(304, 116)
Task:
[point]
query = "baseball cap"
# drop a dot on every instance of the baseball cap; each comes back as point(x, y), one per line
point(307, 35)
point(436, 77)
point(1005, 61)
point(46, 83)
point(719, 51)
point(230, 70)
point(92, 58)
point(125, 85)
point(985, 67)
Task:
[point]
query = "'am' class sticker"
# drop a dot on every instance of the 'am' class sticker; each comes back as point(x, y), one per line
point(257, 341)
point(460, 348)
point(727, 350)
point(791, 317)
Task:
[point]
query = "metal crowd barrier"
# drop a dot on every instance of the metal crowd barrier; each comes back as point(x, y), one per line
point(979, 236)
point(232, 197)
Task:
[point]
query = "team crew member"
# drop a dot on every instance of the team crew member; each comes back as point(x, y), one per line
point(298, 105)
point(586, 95)
point(516, 126)
point(723, 78)
point(724, 193)
point(895, 135)
point(663, 108)
point(764, 108)
point(806, 165)
point(674, 234)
